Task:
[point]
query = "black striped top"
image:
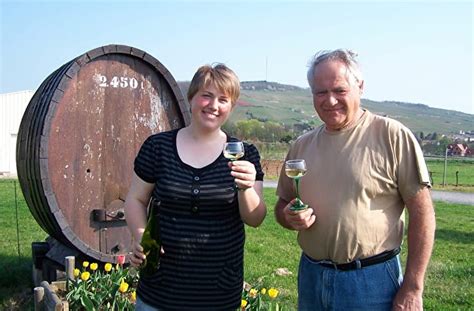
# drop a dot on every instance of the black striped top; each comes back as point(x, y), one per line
point(201, 230)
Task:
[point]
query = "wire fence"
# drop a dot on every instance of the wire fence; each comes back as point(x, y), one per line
point(454, 172)
point(18, 228)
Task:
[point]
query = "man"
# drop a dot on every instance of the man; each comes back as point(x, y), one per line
point(363, 170)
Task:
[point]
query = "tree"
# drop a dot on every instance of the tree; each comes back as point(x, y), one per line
point(256, 130)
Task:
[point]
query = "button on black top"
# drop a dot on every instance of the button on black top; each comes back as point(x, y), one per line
point(196, 191)
point(195, 209)
point(196, 178)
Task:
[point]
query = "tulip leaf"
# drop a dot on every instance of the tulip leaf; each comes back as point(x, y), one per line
point(151, 242)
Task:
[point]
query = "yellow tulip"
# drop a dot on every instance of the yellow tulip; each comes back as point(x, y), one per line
point(108, 267)
point(85, 264)
point(133, 296)
point(77, 272)
point(85, 275)
point(263, 291)
point(94, 266)
point(123, 287)
point(253, 293)
point(273, 292)
point(244, 303)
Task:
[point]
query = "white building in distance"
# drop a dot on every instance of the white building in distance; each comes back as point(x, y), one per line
point(12, 108)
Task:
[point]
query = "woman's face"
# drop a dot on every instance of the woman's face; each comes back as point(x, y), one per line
point(210, 107)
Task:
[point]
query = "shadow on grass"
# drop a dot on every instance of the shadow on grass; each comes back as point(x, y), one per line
point(16, 282)
point(15, 272)
point(454, 236)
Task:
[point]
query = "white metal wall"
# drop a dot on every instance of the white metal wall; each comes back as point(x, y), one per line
point(12, 107)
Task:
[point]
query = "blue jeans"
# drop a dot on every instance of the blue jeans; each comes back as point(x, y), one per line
point(370, 288)
point(142, 306)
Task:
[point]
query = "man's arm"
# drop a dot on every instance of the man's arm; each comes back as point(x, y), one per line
point(293, 220)
point(421, 230)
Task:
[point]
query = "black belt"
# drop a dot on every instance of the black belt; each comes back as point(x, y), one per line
point(358, 264)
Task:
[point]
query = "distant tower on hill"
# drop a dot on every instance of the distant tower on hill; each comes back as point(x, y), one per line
point(266, 69)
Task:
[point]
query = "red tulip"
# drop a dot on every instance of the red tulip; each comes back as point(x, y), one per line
point(121, 259)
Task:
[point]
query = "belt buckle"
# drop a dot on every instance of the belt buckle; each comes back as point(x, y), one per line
point(329, 262)
point(352, 265)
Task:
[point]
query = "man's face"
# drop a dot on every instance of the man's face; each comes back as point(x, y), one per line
point(336, 95)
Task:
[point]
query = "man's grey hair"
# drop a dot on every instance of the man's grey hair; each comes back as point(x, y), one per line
point(347, 57)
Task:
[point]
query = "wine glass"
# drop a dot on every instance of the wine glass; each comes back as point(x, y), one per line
point(234, 150)
point(296, 169)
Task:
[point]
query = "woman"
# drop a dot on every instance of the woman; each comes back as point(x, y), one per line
point(203, 202)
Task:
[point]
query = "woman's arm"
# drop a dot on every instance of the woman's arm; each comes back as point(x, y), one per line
point(136, 204)
point(251, 204)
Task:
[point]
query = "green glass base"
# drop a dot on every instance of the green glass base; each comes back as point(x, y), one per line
point(298, 206)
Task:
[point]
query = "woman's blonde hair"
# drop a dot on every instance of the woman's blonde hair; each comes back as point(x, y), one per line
point(219, 75)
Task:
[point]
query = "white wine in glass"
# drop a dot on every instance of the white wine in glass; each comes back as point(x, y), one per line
point(296, 169)
point(234, 150)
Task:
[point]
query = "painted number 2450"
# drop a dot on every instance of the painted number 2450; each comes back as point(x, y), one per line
point(120, 82)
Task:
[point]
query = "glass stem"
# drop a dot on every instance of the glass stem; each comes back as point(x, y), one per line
point(235, 185)
point(297, 181)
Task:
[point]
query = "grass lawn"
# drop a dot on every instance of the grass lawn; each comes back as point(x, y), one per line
point(450, 273)
point(459, 174)
point(448, 285)
point(16, 286)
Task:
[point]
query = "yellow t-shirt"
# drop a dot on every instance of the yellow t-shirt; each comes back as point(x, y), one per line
point(357, 182)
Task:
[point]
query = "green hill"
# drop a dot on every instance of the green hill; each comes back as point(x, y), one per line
point(291, 105)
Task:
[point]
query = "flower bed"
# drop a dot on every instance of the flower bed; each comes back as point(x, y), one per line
point(112, 287)
point(91, 287)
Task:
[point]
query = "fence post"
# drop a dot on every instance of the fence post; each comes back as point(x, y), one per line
point(69, 267)
point(39, 297)
point(445, 166)
point(457, 178)
point(17, 224)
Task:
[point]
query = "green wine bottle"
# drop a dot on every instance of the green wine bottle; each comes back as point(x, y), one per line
point(151, 242)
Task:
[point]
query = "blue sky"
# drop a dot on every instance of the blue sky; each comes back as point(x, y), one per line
point(418, 52)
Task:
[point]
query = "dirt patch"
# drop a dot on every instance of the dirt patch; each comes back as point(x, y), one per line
point(271, 168)
point(243, 103)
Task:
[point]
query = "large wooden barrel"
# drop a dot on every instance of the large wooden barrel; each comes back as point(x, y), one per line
point(79, 136)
